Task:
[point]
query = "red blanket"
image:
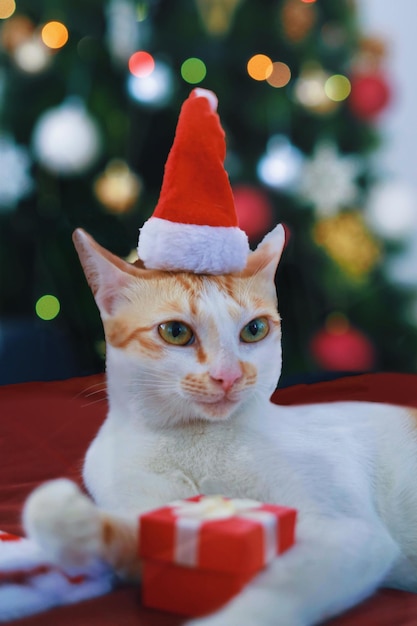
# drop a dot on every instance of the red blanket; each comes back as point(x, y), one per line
point(46, 428)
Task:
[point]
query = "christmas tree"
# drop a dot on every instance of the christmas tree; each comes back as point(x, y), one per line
point(90, 93)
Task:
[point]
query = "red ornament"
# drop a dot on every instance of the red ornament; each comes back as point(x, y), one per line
point(254, 210)
point(340, 347)
point(369, 95)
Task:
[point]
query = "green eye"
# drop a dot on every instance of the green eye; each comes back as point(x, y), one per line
point(176, 333)
point(256, 330)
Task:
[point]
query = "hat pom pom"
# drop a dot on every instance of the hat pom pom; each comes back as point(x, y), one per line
point(199, 92)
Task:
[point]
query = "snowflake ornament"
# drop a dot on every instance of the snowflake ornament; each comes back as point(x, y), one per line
point(15, 179)
point(328, 180)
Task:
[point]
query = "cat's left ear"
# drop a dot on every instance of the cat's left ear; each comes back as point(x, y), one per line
point(106, 274)
point(264, 260)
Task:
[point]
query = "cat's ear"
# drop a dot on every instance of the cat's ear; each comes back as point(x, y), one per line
point(264, 260)
point(106, 273)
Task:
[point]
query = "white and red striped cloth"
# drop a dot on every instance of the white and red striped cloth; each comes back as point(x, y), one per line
point(29, 583)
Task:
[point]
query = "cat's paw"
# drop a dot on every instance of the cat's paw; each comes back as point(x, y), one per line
point(64, 522)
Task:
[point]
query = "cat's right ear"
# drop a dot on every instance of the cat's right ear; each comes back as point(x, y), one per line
point(106, 273)
point(264, 260)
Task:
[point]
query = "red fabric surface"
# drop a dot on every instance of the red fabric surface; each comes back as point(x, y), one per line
point(45, 429)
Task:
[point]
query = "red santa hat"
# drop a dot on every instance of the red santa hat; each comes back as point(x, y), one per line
point(194, 227)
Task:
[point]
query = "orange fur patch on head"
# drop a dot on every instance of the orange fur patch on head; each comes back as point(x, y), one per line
point(119, 333)
point(153, 297)
point(201, 354)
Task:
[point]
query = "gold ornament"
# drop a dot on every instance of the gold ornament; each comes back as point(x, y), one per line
point(117, 188)
point(349, 243)
point(298, 19)
point(217, 15)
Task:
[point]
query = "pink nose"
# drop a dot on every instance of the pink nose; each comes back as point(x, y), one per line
point(227, 378)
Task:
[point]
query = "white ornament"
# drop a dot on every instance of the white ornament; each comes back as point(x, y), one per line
point(280, 167)
point(328, 180)
point(66, 139)
point(152, 90)
point(391, 209)
point(15, 179)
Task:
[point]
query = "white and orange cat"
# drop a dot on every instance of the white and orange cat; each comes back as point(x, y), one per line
point(192, 361)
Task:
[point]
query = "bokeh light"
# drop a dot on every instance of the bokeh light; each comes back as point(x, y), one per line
point(391, 209)
point(16, 31)
point(54, 35)
point(259, 67)
point(337, 87)
point(280, 167)
point(193, 70)
point(153, 90)
point(47, 307)
point(32, 56)
point(141, 64)
point(7, 8)
point(341, 347)
point(66, 139)
point(309, 89)
point(280, 75)
point(254, 210)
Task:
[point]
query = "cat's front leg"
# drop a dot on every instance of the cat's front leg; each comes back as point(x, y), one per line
point(334, 565)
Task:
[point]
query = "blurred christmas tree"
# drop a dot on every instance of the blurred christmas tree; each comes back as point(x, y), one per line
point(90, 93)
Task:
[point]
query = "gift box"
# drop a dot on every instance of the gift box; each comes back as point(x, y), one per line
point(198, 553)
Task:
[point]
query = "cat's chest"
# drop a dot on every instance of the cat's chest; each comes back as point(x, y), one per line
point(202, 450)
point(226, 459)
point(151, 468)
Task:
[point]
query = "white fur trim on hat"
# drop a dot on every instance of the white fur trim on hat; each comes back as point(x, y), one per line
point(200, 249)
point(209, 95)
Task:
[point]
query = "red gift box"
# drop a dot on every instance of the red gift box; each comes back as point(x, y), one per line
point(198, 553)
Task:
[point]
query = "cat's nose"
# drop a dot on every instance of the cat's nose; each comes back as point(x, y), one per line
point(227, 378)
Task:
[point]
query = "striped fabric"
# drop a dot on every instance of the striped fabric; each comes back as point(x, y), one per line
point(29, 583)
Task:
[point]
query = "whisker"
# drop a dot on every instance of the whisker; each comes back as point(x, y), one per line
point(98, 401)
point(101, 384)
point(94, 393)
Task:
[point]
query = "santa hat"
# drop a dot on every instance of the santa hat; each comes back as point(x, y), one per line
point(194, 227)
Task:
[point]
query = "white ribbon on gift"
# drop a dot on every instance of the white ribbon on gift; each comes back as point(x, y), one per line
point(192, 514)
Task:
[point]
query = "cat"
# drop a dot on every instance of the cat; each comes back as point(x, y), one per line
point(192, 361)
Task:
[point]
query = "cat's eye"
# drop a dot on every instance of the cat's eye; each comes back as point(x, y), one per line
point(256, 330)
point(176, 333)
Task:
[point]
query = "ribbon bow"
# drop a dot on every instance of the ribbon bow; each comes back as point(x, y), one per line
point(192, 514)
point(214, 507)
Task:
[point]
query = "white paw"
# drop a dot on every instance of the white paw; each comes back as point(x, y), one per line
point(63, 522)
